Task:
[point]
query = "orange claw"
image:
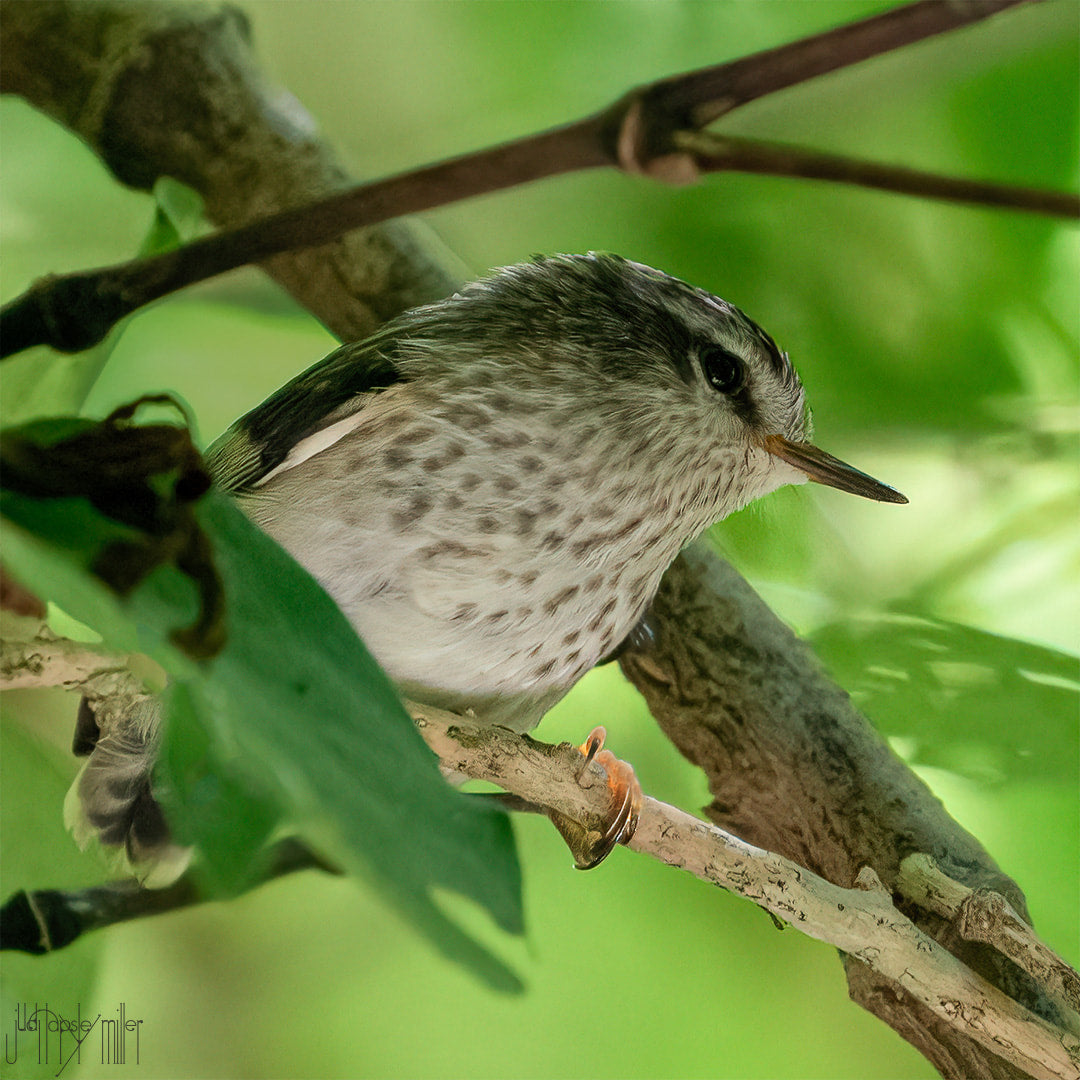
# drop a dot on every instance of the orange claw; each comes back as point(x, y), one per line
point(590, 848)
point(592, 745)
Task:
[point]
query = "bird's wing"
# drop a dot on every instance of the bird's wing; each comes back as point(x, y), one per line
point(308, 414)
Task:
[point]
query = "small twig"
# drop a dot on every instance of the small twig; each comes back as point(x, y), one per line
point(639, 134)
point(986, 916)
point(723, 153)
point(706, 95)
point(44, 920)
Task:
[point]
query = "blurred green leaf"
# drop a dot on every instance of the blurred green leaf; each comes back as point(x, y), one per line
point(307, 715)
point(42, 380)
point(178, 213)
point(985, 706)
point(228, 820)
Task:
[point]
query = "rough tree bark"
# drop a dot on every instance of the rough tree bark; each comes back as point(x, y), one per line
point(172, 90)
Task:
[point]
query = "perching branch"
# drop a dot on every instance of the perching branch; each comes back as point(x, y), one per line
point(32, 656)
point(654, 130)
point(794, 768)
point(861, 920)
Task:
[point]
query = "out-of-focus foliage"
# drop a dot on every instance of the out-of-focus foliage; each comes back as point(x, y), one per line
point(918, 676)
point(45, 382)
point(939, 348)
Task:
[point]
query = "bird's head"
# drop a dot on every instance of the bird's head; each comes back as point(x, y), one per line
point(600, 339)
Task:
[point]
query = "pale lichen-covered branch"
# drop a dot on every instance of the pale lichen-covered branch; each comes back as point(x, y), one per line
point(862, 921)
point(984, 915)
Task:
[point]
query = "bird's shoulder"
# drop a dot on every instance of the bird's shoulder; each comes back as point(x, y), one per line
point(308, 414)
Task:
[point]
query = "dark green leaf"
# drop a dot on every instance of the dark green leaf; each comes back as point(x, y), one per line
point(312, 719)
point(292, 719)
point(229, 821)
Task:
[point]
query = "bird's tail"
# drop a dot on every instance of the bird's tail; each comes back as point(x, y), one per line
point(112, 799)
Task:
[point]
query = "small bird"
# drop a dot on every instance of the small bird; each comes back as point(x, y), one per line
point(492, 486)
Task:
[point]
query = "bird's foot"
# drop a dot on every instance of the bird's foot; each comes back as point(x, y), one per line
point(591, 846)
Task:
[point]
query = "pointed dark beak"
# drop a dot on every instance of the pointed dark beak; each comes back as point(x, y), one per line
point(825, 469)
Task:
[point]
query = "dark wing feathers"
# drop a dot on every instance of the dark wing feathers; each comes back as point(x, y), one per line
point(261, 440)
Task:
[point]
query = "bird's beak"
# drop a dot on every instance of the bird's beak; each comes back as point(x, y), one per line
point(825, 469)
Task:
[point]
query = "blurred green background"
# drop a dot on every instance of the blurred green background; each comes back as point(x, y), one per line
point(939, 348)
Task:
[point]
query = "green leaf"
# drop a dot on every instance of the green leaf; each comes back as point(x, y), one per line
point(178, 213)
point(311, 719)
point(41, 380)
point(229, 821)
point(292, 720)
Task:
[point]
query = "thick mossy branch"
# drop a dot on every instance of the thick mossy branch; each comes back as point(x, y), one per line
point(161, 89)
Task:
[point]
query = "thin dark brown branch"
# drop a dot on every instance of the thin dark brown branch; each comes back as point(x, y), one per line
point(723, 153)
point(705, 96)
point(74, 311)
point(44, 920)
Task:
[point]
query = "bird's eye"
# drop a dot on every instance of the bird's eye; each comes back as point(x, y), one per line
point(724, 370)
